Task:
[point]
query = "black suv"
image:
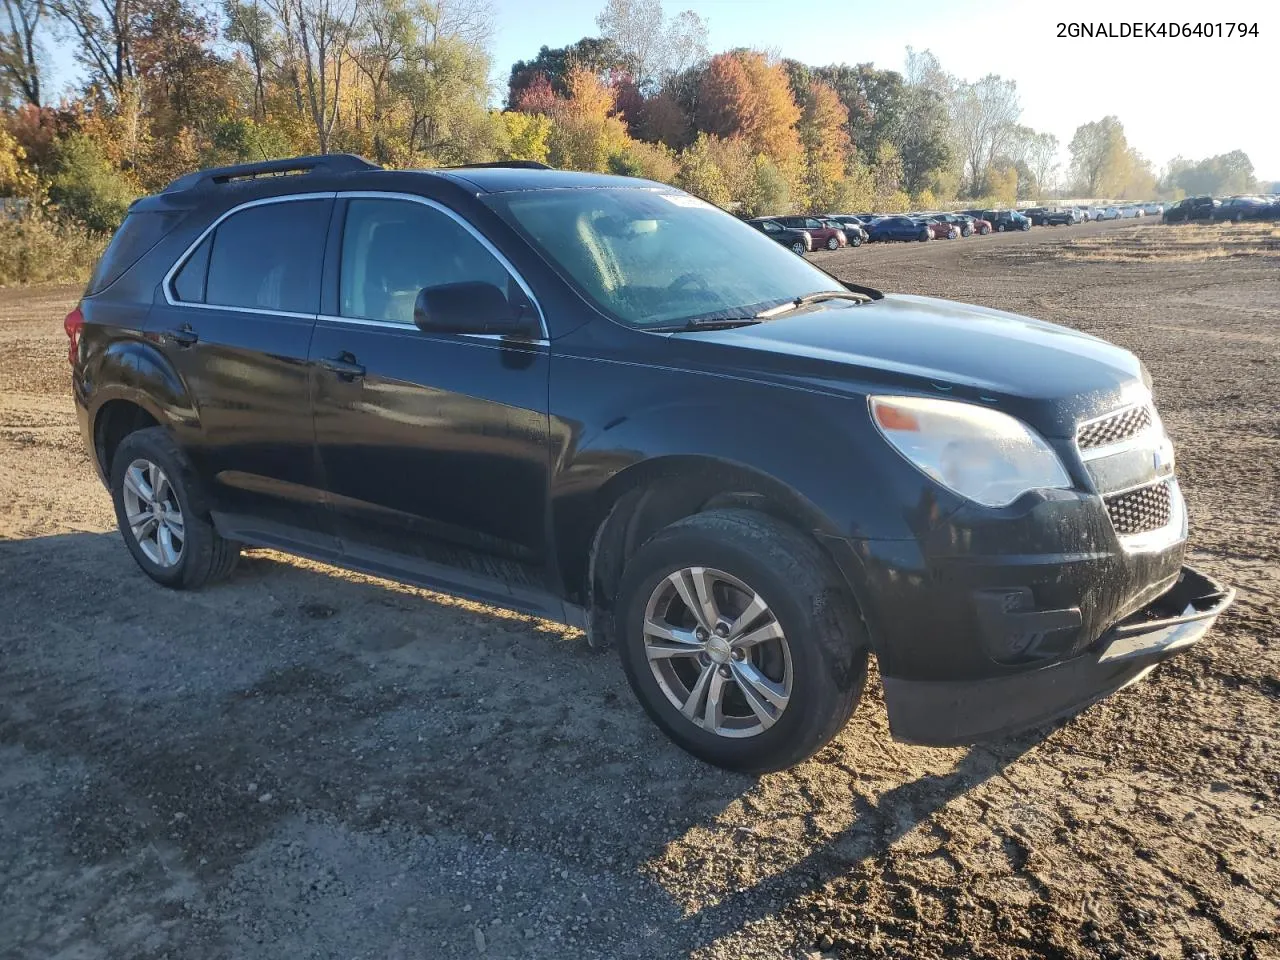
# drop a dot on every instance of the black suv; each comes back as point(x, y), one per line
point(605, 402)
point(1192, 208)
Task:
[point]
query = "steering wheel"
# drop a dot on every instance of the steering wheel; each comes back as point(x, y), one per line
point(688, 279)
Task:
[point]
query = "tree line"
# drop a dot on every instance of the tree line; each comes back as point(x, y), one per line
point(166, 87)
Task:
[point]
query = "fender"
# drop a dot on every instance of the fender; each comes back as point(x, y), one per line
point(137, 370)
point(805, 449)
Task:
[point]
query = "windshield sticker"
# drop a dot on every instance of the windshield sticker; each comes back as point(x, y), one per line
point(684, 200)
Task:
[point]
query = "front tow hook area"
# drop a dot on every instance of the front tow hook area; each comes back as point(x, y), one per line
point(950, 713)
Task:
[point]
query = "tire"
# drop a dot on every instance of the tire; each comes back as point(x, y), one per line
point(925, 236)
point(825, 649)
point(984, 231)
point(798, 248)
point(1000, 228)
point(1024, 227)
point(833, 243)
point(855, 241)
point(196, 554)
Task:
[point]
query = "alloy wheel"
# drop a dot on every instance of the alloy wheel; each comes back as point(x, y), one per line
point(718, 652)
point(153, 513)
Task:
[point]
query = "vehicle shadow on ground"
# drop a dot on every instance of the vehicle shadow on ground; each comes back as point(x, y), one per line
point(878, 824)
point(293, 693)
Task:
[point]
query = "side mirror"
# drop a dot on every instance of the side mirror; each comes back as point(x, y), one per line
point(470, 307)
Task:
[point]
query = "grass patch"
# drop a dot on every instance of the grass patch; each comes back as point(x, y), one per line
point(1177, 243)
point(39, 249)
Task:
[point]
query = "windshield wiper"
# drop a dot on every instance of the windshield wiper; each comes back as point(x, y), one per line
point(704, 323)
point(809, 298)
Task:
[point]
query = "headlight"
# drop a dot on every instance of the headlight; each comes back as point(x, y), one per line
point(981, 454)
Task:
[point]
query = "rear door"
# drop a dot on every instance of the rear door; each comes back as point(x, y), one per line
point(434, 447)
point(236, 317)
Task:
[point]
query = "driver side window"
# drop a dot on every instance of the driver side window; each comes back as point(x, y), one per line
point(391, 249)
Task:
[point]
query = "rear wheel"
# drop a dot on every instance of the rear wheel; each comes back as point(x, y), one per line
point(1000, 227)
point(833, 243)
point(162, 516)
point(740, 640)
point(984, 231)
point(798, 247)
point(925, 235)
point(855, 241)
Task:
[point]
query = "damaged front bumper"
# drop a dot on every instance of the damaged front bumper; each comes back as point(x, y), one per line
point(948, 713)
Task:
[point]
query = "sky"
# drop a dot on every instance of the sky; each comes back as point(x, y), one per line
point(1191, 97)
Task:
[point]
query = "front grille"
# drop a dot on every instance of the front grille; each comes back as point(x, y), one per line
point(1113, 429)
point(1138, 511)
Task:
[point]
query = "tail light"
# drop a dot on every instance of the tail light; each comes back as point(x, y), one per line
point(73, 325)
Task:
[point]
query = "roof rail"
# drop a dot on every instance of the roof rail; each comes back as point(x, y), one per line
point(328, 163)
point(510, 164)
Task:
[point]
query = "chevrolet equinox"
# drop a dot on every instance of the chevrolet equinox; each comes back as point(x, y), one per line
point(605, 402)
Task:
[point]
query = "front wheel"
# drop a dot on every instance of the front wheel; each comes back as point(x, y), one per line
point(1024, 227)
point(833, 243)
point(740, 640)
point(162, 515)
point(798, 248)
point(1000, 227)
point(855, 241)
point(925, 235)
point(984, 231)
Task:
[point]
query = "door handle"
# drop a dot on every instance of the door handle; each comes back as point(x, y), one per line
point(344, 365)
point(184, 336)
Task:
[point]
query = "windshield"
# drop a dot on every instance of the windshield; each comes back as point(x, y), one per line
point(653, 257)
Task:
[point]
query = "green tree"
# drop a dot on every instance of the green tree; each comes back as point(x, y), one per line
point(523, 136)
point(1098, 154)
point(87, 187)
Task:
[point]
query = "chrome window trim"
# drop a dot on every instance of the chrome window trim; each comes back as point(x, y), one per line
point(166, 284)
point(480, 238)
point(406, 327)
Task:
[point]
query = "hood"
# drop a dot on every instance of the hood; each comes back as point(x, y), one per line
point(1048, 375)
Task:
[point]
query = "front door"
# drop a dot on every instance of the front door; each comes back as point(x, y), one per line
point(434, 447)
point(236, 319)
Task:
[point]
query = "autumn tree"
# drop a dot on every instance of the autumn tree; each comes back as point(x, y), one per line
point(1227, 173)
point(20, 22)
point(653, 47)
point(585, 134)
point(600, 55)
point(824, 135)
point(103, 33)
point(700, 175)
point(1106, 165)
point(983, 114)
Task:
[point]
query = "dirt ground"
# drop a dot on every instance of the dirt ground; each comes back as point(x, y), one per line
point(304, 762)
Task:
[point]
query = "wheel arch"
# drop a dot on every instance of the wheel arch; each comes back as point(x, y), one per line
point(644, 498)
point(139, 388)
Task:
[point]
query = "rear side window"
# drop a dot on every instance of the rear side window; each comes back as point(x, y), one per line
point(188, 285)
point(141, 230)
point(266, 257)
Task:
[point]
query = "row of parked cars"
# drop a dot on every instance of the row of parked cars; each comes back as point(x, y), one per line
point(1235, 209)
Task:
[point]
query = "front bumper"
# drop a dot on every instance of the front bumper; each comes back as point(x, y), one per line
point(950, 712)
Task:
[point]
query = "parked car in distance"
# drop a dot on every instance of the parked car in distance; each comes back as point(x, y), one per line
point(940, 229)
point(1191, 208)
point(604, 402)
point(1004, 220)
point(1108, 213)
point(898, 228)
point(1036, 215)
point(1242, 208)
point(855, 230)
point(830, 237)
point(799, 241)
point(847, 233)
point(1059, 218)
point(966, 225)
point(981, 226)
point(1152, 209)
point(1129, 211)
